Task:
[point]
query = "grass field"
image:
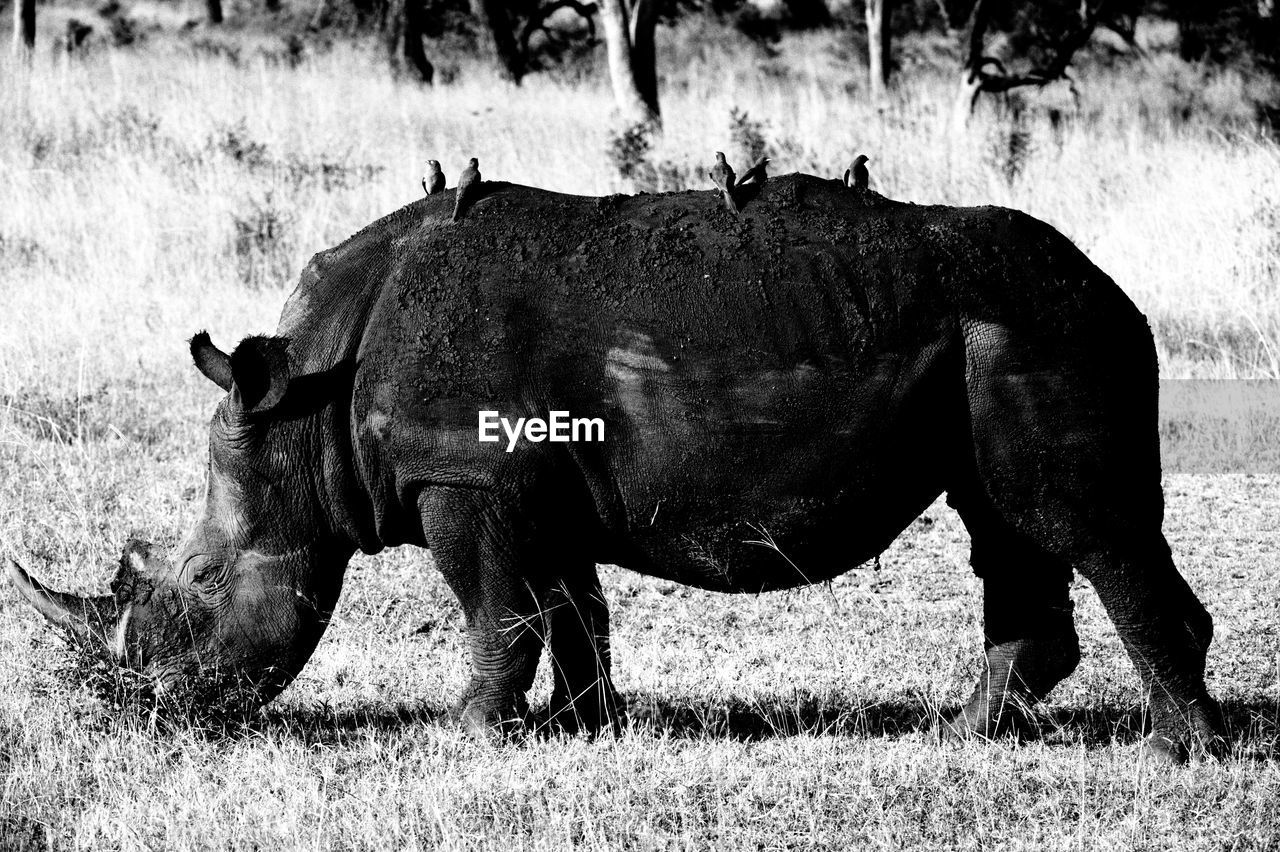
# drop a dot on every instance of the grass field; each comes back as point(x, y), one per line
point(147, 194)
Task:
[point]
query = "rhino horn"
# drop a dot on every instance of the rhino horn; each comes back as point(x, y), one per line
point(91, 620)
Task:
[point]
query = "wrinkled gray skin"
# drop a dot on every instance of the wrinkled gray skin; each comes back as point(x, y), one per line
point(815, 372)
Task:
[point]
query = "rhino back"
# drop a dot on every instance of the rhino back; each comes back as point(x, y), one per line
point(809, 257)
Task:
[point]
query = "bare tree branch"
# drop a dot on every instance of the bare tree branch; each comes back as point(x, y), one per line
point(978, 64)
point(538, 20)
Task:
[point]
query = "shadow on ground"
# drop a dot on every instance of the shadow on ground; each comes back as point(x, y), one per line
point(326, 725)
point(1253, 724)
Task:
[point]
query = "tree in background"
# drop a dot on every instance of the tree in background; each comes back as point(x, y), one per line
point(807, 14)
point(24, 26)
point(520, 35)
point(1039, 40)
point(414, 27)
point(878, 44)
point(496, 22)
point(404, 23)
point(629, 27)
point(1228, 30)
point(1005, 44)
point(542, 39)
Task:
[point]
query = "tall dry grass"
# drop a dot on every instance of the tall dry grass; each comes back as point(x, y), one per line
point(148, 193)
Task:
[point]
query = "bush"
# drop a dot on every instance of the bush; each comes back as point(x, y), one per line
point(259, 243)
point(628, 151)
point(747, 135)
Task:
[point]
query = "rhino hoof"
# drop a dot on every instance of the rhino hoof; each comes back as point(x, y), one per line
point(1159, 750)
point(568, 718)
point(965, 726)
point(1191, 731)
point(489, 723)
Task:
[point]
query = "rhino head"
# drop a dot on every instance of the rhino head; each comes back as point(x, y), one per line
point(233, 619)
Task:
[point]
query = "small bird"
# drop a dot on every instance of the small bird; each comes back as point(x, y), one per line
point(468, 188)
point(756, 174)
point(856, 176)
point(722, 176)
point(433, 180)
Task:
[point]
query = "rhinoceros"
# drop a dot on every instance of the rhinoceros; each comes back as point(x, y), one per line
point(812, 374)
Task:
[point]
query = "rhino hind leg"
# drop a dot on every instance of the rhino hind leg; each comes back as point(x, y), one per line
point(583, 698)
point(1030, 636)
point(1066, 448)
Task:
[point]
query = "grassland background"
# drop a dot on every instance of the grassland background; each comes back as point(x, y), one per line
point(147, 193)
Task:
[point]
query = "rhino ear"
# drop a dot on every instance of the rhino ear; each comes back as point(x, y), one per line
point(212, 361)
point(260, 373)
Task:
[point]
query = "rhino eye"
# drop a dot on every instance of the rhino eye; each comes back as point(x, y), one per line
point(201, 571)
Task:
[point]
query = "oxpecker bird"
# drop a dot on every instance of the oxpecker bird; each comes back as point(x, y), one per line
point(721, 175)
point(433, 180)
point(756, 174)
point(468, 189)
point(856, 176)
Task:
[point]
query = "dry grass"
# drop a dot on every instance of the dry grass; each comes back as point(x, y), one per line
point(147, 195)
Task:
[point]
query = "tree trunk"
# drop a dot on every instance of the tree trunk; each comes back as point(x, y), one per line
point(808, 14)
point(966, 100)
point(878, 45)
point(629, 37)
point(971, 72)
point(493, 16)
point(392, 27)
point(214, 8)
point(644, 56)
point(24, 25)
point(414, 15)
point(1194, 21)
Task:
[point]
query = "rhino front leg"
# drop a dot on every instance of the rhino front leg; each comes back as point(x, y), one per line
point(502, 670)
point(584, 698)
point(487, 563)
point(1030, 637)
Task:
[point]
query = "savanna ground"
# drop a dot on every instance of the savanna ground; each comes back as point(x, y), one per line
point(145, 194)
